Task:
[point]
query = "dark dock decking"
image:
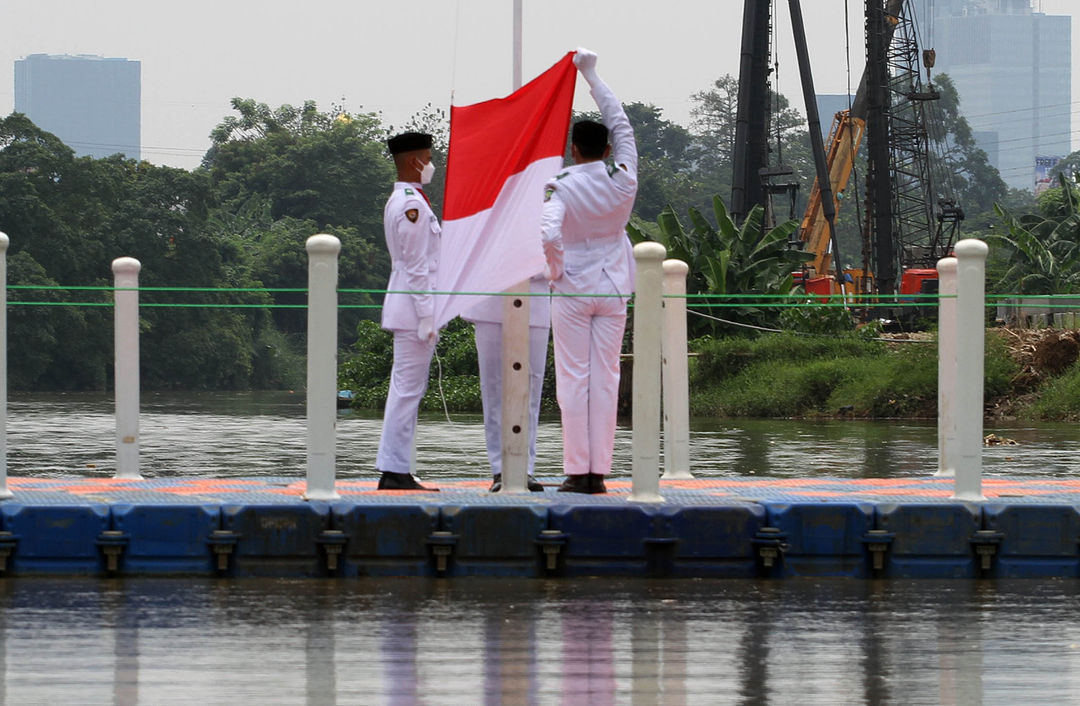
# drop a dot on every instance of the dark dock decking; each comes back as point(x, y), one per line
point(708, 527)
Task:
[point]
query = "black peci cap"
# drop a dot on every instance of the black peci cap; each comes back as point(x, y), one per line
point(409, 141)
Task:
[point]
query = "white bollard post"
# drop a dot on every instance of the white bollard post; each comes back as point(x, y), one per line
point(970, 344)
point(5, 492)
point(648, 325)
point(515, 392)
point(515, 420)
point(322, 316)
point(676, 374)
point(946, 369)
point(126, 337)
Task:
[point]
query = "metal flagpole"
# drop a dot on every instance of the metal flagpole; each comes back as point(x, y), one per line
point(517, 45)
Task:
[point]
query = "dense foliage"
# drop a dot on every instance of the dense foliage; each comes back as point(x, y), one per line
point(275, 176)
point(1039, 253)
point(270, 180)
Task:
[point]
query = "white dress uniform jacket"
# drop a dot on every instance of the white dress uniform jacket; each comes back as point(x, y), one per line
point(414, 254)
point(412, 237)
point(585, 213)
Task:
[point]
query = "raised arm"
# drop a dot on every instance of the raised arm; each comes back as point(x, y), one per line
point(623, 147)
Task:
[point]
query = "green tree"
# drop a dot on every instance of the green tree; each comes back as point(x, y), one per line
point(280, 176)
point(713, 115)
point(50, 210)
point(964, 170)
point(330, 168)
point(68, 219)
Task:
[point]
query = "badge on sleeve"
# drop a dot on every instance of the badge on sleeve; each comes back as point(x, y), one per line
point(412, 214)
point(548, 192)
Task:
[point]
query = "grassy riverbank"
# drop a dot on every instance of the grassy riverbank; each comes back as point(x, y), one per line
point(1029, 375)
point(783, 375)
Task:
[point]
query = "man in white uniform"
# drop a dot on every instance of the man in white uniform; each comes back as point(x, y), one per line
point(412, 237)
point(487, 316)
point(586, 209)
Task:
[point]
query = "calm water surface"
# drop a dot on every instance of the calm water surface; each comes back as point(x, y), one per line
point(252, 434)
point(587, 642)
point(464, 641)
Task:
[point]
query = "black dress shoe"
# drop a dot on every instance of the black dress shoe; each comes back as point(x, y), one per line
point(596, 484)
point(532, 484)
point(576, 484)
point(401, 481)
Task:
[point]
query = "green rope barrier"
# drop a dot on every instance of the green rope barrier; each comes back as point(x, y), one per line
point(700, 300)
point(168, 305)
point(164, 305)
point(19, 303)
point(80, 288)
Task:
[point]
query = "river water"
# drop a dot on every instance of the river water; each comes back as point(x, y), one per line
point(582, 642)
point(469, 641)
point(251, 434)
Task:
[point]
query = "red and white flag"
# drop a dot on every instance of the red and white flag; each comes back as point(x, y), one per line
point(501, 153)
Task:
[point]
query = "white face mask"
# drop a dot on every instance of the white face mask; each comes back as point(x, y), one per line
point(427, 172)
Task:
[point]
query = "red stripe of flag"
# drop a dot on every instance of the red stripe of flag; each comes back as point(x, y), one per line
point(493, 140)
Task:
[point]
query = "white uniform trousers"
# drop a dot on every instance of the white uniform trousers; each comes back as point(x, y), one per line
point(489, 352)
point(408, 383)
point(588, 339)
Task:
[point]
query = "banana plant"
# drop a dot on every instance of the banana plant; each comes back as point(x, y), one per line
point(1041, 255)
point(728, 259)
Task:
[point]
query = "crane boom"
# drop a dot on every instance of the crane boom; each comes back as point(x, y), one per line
point(845, 138)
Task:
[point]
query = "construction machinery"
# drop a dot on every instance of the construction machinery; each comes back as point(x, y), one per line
point(907, 226)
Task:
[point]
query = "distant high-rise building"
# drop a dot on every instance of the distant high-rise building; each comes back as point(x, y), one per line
point(1012, 68)
point(92, 103)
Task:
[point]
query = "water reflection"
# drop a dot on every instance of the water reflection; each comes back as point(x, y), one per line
point(400, 675)
point(658, 645)
point(753, 652)
point(320, 676)
point(510, 654)
point(874, 663)
point(117, 612)
point(262, 434)
point(568, 642)
point(587, 674)
point(5, 590)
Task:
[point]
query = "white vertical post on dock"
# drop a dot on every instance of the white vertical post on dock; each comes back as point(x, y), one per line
point(515, 352)
point(126, 338)
point(648, 327)
point(322, 315)
point(970, 344)
point(946, 377)
point(5, 492)
point(676, 374)
point(515, 392)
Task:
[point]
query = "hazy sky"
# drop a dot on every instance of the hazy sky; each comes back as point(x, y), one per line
point(395, 56)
